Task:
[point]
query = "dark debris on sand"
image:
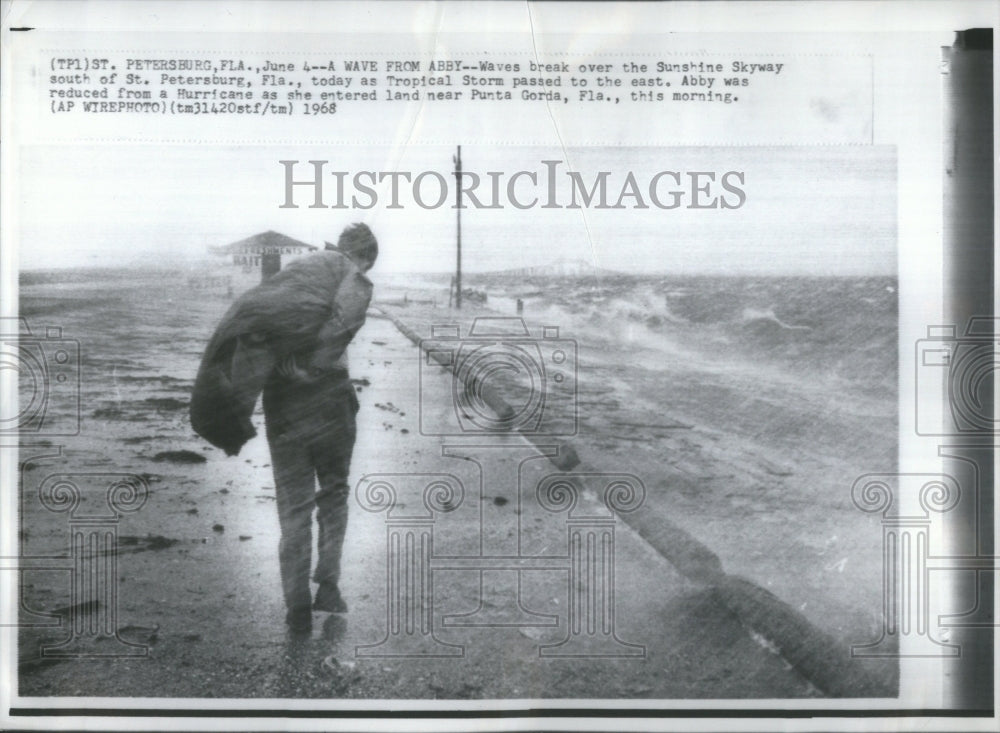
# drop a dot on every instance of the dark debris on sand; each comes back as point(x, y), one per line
point(179, 456)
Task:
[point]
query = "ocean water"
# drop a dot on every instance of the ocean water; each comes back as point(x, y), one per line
point(836, 329)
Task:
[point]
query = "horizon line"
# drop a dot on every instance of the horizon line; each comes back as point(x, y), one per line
point(513, 271)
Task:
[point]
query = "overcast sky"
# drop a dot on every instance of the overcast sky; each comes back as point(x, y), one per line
point(822, 210)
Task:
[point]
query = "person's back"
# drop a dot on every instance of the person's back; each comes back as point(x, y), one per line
point(309, 410)
point(297, 404)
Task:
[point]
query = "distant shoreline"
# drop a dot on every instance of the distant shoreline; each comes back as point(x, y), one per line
point(199, 265)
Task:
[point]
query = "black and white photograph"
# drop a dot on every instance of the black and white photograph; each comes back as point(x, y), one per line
point(450, 365)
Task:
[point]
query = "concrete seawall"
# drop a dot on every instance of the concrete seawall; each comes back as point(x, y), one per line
point(817, 655)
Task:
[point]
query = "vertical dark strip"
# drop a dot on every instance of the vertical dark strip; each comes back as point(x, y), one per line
point(458, 228)
point(968, 287)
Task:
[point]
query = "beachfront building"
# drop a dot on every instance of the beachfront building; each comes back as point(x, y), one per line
point(254, 259)
point(263, 252)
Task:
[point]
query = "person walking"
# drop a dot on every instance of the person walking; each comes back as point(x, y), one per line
point(288, 338)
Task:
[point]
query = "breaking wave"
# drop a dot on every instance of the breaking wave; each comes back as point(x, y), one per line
point(846, 328)
point(752, 314)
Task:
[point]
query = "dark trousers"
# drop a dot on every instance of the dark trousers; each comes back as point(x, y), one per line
point(311, 432)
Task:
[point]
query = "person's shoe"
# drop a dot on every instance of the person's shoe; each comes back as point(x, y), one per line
point(299, 620)
point(328, 599)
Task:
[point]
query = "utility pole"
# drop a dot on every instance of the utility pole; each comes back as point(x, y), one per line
point(458, 211)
